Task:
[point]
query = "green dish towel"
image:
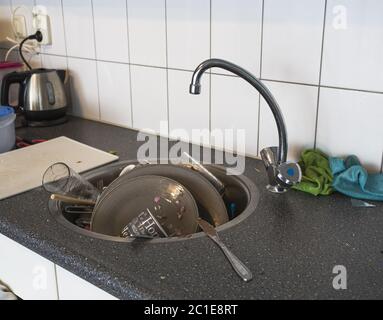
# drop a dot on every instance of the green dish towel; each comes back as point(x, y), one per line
point(317, 176)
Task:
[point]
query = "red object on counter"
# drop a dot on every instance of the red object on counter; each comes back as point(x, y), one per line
point(22, 143)
point(10, 65)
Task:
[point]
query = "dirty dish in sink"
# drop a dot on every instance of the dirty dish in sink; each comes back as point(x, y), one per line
point(61, 179)
point(213, 208)
point(170, 203)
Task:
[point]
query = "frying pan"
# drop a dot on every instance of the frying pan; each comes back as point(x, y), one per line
point(212, 206)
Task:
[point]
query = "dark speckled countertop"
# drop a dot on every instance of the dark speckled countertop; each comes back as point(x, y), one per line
point(291, 242)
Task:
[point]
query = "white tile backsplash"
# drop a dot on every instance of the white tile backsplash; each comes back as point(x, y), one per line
point(350, 122)
point(149, 97)
point(353, 46)
point(54, 10)
point(79, 31)
point(298, 104)
point(186, 111)
point(54, 62)
point(108, 43)
point(111, 30)
point(235, 105)
point(236, 28)
point(188, 33)
point(292, 40)
point(114, 88)
point(84, 88)
point(147, 32)
point(34, 60)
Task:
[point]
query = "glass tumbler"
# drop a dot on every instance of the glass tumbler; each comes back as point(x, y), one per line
point(61, 179)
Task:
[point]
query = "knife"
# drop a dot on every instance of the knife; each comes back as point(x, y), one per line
point(237, 265)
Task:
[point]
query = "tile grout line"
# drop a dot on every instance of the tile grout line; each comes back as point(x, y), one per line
point(130, 66)
point(95, 52)
point(260, 76)
point(38, 50)
point(351, 89)
point(290, 82)
point(67, 74)
point(320, 75)
point(65, 35)
point(167, 66)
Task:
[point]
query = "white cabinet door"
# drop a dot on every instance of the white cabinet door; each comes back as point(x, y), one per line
point(72, 287)
point(28, 275)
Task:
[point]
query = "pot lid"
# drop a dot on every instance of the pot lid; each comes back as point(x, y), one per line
point(6, 111)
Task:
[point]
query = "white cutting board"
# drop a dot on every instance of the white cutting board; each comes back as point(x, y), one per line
point(22, 170)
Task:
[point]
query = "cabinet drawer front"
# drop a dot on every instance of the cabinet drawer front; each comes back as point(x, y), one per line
point(28, 275)
point(72, 287)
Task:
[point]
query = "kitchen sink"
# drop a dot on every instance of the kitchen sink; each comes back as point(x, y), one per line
point(239, 190)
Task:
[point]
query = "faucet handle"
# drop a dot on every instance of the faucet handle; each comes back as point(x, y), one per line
point(281, 175)
point(269, 156)
point(288, 174)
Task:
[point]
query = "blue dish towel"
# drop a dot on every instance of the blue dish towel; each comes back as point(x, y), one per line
point(351, 179)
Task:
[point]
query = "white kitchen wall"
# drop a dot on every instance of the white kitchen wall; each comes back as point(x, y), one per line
point(131, 63)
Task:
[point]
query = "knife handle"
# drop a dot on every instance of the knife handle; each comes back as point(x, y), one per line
point(237, 264)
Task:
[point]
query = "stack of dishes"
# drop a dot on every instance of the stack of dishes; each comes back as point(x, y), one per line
point(167, 201)
point(159, 200)
point(175, 195)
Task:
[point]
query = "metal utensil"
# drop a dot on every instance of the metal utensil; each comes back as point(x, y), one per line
point(197, 166)
point(237, 265)
point(76, 209)
point(72, 200)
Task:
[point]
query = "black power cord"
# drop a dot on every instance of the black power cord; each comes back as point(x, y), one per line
point(38, 36)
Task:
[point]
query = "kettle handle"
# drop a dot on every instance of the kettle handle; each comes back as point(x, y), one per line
point(62, 75)
point(8, 80)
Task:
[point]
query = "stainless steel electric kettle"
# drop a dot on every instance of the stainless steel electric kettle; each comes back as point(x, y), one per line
point(42, 96)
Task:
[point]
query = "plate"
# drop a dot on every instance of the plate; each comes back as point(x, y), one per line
point(169, 201)
point(210, 202)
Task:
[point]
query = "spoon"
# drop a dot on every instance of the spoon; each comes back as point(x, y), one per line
point(237, 265)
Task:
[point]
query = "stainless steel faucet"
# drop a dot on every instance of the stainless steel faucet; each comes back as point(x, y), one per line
point(282, 174)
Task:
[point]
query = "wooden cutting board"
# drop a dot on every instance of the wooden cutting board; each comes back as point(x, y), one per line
point(22, 170)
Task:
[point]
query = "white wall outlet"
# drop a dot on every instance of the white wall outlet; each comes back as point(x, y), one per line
point(20, 27)
point(41, 22)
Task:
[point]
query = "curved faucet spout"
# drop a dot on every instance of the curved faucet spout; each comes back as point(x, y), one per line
point(195, 88)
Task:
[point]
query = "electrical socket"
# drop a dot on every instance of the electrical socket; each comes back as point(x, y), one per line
point(42, 23)
point(20, 27)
